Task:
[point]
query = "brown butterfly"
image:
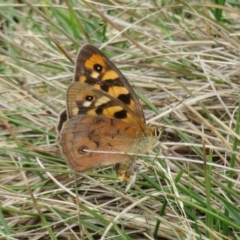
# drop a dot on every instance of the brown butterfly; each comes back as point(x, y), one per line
point(104, 121)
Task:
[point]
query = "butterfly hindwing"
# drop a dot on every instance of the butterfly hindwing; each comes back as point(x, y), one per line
point(99, 133)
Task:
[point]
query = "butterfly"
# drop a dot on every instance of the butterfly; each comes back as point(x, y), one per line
point(103, 122)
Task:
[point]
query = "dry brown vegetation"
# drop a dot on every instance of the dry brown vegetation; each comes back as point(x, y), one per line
point(183, 58)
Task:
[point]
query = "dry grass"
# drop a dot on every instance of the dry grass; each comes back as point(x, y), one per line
point(184, 61)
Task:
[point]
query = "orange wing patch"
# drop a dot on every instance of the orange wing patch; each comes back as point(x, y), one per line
point(117, 90)
point(110, 75)
point(82, 78)
point(95, 58)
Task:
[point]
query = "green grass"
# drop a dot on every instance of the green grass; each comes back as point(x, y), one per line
point(182, 59)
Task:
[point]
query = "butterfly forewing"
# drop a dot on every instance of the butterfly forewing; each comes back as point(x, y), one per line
point(83, 99)
point(94, 68)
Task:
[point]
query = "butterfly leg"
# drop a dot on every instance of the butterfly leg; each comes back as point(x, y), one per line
point(124, 170)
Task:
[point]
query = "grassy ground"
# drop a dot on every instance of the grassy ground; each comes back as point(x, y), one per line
point(183, 59)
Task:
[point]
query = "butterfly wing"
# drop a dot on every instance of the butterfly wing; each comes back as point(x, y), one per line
point(94, 68)
point(84, 99)
point(111, 138)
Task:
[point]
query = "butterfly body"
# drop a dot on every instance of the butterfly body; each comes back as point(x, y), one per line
point(104, 123)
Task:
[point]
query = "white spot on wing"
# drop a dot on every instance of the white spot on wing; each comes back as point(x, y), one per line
point(87, 103)
point(95, 75)
point(102, 100)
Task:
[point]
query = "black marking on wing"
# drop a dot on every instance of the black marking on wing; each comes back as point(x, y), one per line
point(125, 98)
point(62, 119)
point(106, 84)
point(120, 114)
point(97, 67)
point(99, 110)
